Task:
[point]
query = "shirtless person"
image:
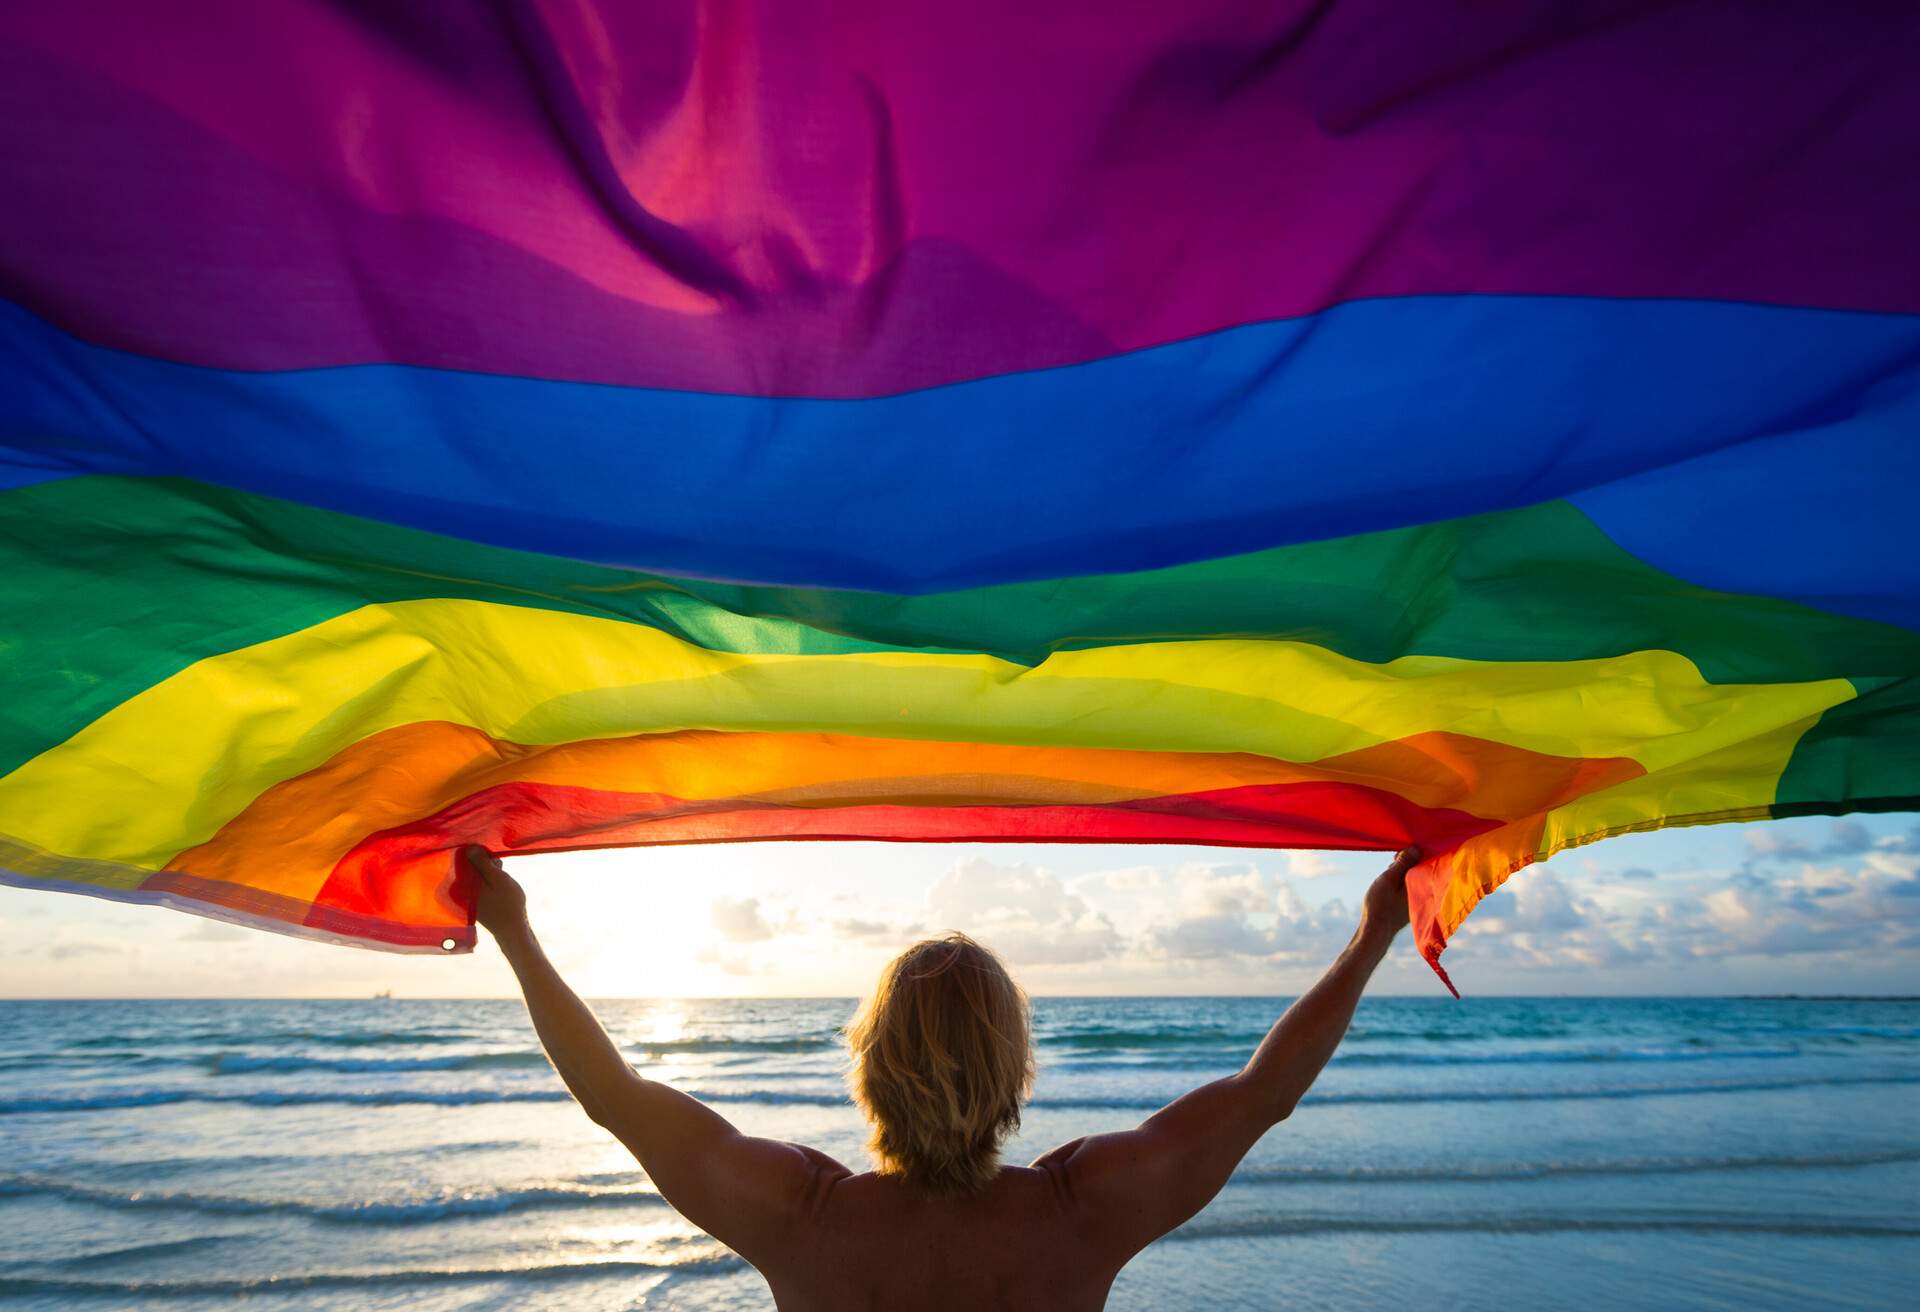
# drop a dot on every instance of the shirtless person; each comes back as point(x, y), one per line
point(942, 1064)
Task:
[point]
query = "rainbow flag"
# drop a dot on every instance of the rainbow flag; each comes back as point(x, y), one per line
point(1485, 428)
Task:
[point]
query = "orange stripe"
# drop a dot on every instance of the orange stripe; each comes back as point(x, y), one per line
point(292, 836)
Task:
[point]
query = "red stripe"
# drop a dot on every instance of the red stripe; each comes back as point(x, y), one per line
point(388, 920)
point(533, 817)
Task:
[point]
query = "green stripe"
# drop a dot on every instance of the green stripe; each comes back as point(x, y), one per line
point(1864, 752)
point(109, 585)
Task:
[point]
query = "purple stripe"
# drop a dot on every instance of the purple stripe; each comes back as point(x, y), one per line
point(792, 199)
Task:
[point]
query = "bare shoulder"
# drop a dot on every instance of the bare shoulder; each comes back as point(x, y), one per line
point(811, 1176)
point(827, 1170)
point(1083, 1168)
point(1062, 1168)
point(753, 1195)
point(1140, 1183)
point(1054, 1158)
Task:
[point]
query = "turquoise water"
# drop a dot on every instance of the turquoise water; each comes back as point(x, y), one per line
point(1598, 1153)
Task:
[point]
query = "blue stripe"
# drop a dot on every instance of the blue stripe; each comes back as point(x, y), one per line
point(1827, 515)
point(1369, 415)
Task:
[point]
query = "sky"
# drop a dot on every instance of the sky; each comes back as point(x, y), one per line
point(1810, 905)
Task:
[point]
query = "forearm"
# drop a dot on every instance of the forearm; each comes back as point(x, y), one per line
point(1145, 1182)
point(741, 1190)
point(587, 1060)
point(1301, 1043)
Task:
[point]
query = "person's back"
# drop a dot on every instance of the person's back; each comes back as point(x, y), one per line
point(876, 1241)
point(942, 1065)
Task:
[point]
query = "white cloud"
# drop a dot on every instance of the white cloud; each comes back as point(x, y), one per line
point(739, 920)
point(1896, 863)
point(1311, 865)
point(856, 928)
point(1850, 910)
point(1731, 910)
point(1132, 879)
point(213, 931)
point(1234, 911)
point(1300, 931)
point(1844, 838)
point(71, 948)
point(1817, 909)
point(1221, 891)
point(1203, 938)
point(731, 961)
point(1908, 842)
point(1535, 919)
point(1538, 903)
point(1023, 912)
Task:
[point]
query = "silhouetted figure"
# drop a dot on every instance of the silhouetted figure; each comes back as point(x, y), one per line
point(942, 1064)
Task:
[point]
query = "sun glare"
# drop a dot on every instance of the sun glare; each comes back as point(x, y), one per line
point(631, 930)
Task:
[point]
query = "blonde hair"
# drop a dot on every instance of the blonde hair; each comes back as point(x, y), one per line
point(942, 1060)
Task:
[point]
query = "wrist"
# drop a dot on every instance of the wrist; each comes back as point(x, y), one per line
point(510, 931)
point(1376, 933)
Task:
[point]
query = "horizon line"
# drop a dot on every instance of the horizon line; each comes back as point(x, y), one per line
point(1090, 997)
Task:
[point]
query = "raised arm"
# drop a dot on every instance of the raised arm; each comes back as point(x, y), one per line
point(1139, 1184)
point(745, 1192)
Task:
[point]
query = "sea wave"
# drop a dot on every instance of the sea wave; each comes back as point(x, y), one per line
point(718, 1264)
point(1170, 1047)
point(337, 1155)
point(246, 1056)
point(276, 1098)
point(131, 1044)
point(371, 1098)
point(791, 1098)
point(230, 1063)
point(1100, 1038)
point(1580, 1057)
point(135, 1253)
point(267, 1038)
point(1624, 1091)
point(1577, 1056)
point(1786, 1039)
point(1509, 1173)
point(801, 1043)
point(1269, 1226)
point(588, 1192)
point(1416, 1096)
point(376, 1212)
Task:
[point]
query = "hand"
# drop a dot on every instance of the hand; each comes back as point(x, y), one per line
point(1385, 905)
point(499, 903)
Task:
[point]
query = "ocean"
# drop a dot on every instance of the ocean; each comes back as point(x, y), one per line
point(1496, 1152)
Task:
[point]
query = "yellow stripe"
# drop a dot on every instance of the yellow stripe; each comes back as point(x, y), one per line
point(1724, 777)
point(165, 770)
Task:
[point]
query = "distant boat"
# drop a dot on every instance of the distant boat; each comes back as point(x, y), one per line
point(384, 993)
